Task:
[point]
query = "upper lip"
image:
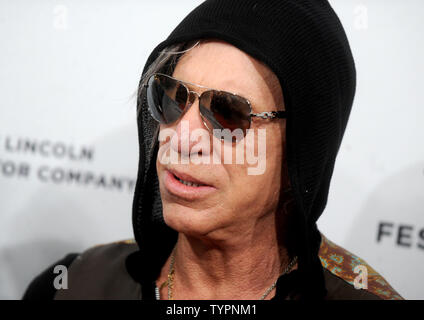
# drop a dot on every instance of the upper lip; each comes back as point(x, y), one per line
point(187, 177)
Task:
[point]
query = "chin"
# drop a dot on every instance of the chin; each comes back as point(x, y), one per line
point(189, 221)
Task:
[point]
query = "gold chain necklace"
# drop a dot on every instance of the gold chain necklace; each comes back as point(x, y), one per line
point(170, 281)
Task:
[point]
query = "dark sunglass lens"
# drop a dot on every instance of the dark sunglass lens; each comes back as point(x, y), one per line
point(153, 100)
point(166, 98)
point(225, 111)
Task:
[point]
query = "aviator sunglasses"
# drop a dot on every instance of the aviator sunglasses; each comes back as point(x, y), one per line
point(168, 99)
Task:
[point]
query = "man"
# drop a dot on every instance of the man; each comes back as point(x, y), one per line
point(212, 231)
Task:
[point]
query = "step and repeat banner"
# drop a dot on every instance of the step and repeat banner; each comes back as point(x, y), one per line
point(69, 71)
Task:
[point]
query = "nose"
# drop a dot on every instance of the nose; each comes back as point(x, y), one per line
point(188, 130)
point(192, 96)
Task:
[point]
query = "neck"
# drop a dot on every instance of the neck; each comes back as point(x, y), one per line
point(243, 267)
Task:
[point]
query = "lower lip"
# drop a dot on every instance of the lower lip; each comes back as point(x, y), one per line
point(177, 188)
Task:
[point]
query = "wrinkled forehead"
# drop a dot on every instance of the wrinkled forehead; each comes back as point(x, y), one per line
point(220, 65)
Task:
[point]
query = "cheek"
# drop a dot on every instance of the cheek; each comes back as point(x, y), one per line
point(260, 153)
point(253, 196)
point(257, 192)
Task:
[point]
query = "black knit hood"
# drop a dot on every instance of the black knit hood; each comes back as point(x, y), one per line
point(304, 44)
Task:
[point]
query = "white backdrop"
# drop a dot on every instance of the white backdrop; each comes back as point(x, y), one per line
point(69, 71)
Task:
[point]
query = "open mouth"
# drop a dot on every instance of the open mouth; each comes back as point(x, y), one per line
point(189, 183)
point(187, 180)
point(185, 186)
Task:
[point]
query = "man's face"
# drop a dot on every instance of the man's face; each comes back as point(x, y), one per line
point(232, 202)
